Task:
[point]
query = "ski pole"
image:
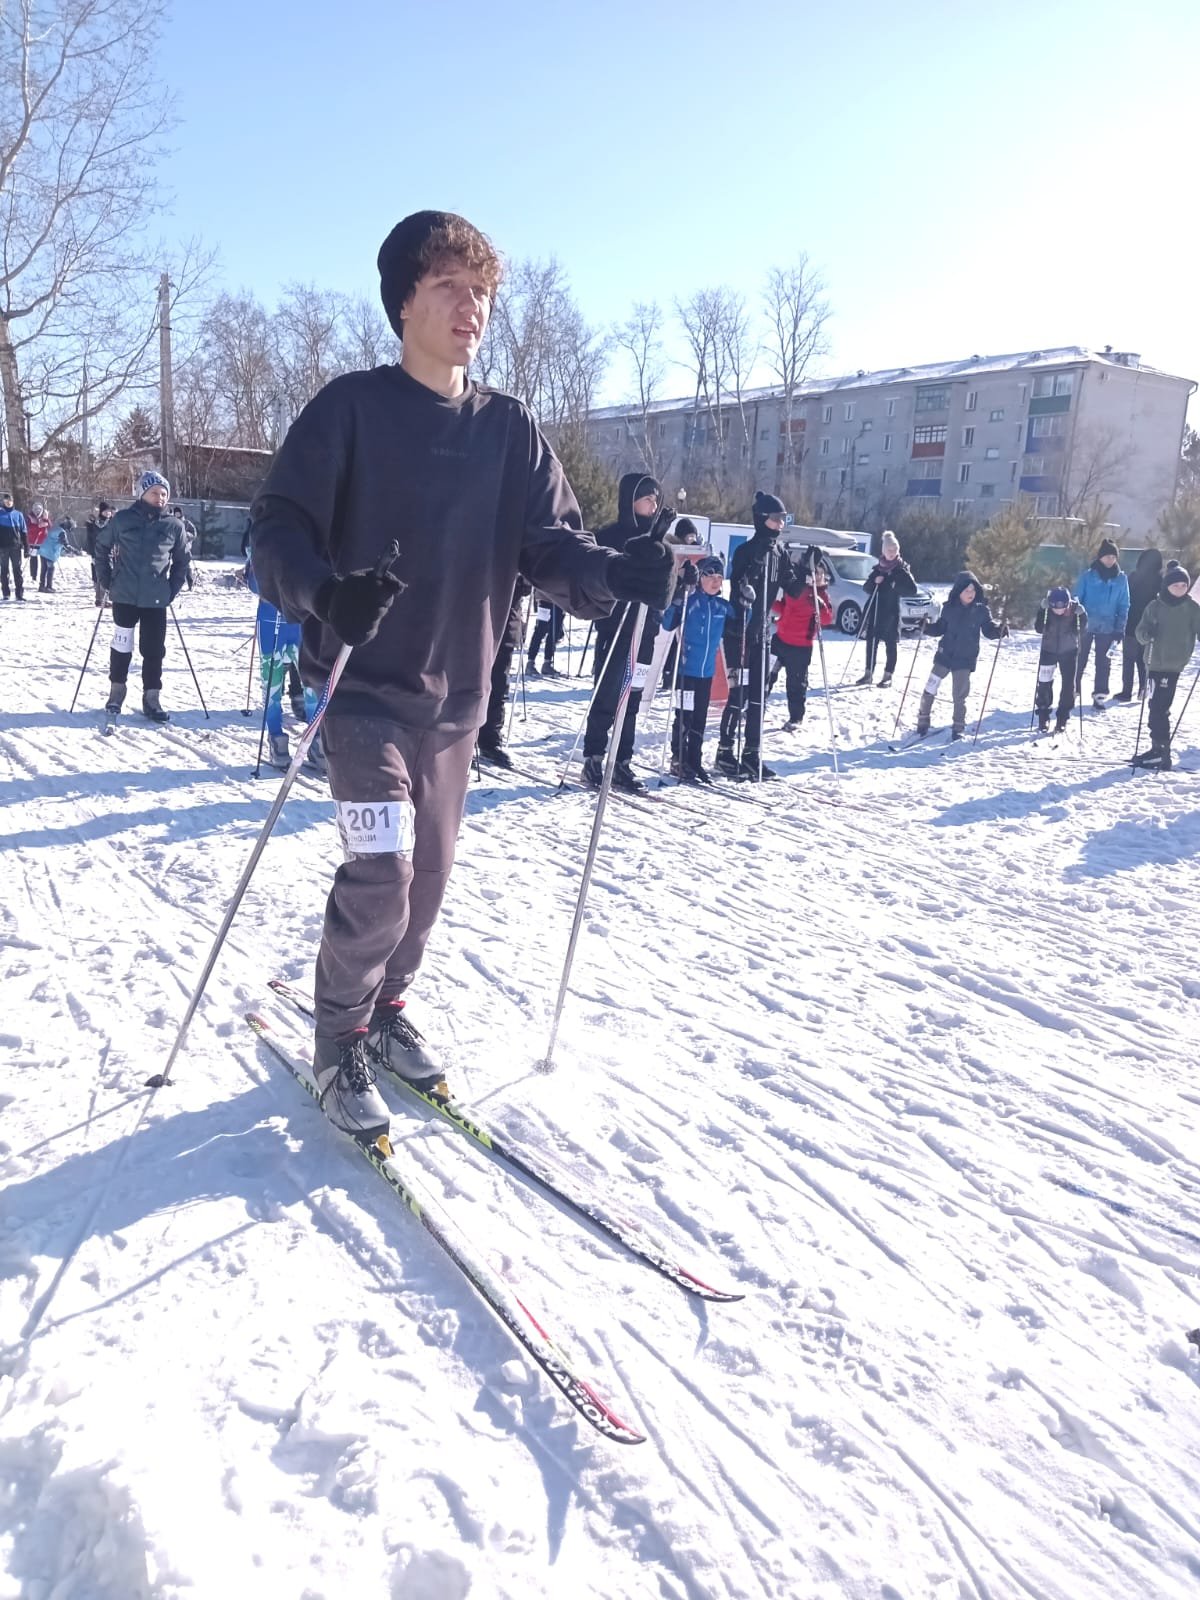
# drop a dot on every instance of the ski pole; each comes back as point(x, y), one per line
point(587, 639)
point(546, 1064)
point(88, 657)
point(187, 657)
point(1186, 703)
point(824, 675)
point(250, 674)
point(512, 704)
point(161, 1079)
point(770, 589)
point(672, 713)
point(862, 628)
point(587, 710)
point(908, 680)
point(268, 689)
point(1137, 743)
point(988, 688)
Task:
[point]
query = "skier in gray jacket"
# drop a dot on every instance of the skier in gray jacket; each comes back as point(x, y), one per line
point(141, 562)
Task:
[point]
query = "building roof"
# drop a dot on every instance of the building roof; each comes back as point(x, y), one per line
point(1069, 355)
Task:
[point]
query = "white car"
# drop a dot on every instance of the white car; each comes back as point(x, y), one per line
point(851, 569)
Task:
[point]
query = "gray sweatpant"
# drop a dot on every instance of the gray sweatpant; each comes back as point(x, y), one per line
point(960, 683)
point(399, 794)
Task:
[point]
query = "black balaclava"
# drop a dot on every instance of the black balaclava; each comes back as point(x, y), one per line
point(766, 505)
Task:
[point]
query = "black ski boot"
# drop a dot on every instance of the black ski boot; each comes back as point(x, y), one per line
point(885, 682)
point(593, 771)
point(1044, 722)
point(396, 1044)
point(116, 697)
point(627, 780)
point(346, 1091)
point(494, 753)
point(751, 770)
point(151, 707)
point(726, 762)
point(549, 670)
point(1060, 725)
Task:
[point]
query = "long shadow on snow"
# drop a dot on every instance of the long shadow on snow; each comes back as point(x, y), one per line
point(1122, 846)
point(1029, 802)
point(191, 822)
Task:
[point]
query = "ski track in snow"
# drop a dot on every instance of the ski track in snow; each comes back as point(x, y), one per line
point(904, 1056)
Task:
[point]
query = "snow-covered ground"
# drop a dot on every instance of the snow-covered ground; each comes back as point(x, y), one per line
point(907, 1058)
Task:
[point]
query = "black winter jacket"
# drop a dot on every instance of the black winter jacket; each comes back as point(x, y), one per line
point(615, 536)
point(141, 557)
point(764, 564)
point(1143, 586)
point(1060, 635)
point(885, 614)
point(474, 495)
point(959, 626)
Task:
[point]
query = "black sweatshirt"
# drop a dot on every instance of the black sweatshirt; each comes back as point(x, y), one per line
point(474, 495)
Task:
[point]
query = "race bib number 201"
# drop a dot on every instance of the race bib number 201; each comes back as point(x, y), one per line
point(377, 827)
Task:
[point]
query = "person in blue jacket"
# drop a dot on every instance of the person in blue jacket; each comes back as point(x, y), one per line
point(53, 545)
point(702, 611)
point(1103, 592)
point(278, 650)
point(961, 621)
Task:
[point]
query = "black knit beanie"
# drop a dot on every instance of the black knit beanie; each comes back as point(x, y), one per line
point(1175, 574)
point(766, 505)
point(401, 262)
point(1108, 548)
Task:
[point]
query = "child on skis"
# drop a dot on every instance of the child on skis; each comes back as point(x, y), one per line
point(963, 618)
point(1169, 628)
point(795, 636)
point(1059, 622)
point(702, 611)
point(278, 651)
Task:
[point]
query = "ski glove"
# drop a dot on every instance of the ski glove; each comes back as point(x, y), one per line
point(688, 576)
point(662, 522)
point(747, 595)
point(355, 605)
point(1004, 630)
point(642, 572)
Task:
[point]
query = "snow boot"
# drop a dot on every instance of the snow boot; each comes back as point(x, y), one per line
point(1099, 702)
point(1043, 721)
point(549, 670)
point(314, 760)
point(696, 775)
point(396, 1044)
point(885, 682)
point(794, 726)
point(116, 696)
point(152, 708)
point(627, 780)
point(726, 762)
point(280, 753)
point(955, 735)
point(863, 681)
point(750, 768)
point(494, 753)
point(531, 670)
point(1123, 699)
point(346, 1092)
point(593, 771)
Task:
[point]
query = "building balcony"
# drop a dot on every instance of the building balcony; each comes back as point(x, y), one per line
point(924, 487)
point(1049, 404)
point(919, 451)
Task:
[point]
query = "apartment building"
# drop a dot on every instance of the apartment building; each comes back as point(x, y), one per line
point(1066, 427)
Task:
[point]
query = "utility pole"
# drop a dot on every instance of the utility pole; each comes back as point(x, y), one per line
point(166, 392)
point(85, 471)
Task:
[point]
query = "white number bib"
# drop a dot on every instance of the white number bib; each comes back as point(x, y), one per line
point(377, 827)
point(543, 613)
point(640, 673)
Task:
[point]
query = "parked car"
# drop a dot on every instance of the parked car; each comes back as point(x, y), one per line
point(851, 569)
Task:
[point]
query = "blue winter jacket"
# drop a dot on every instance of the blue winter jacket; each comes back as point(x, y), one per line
point(703, 629)
point(53, 544)
point(14, 535)
point(1104, 595)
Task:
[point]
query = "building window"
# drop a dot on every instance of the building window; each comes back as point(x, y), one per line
point(824, 447)
point(961, 507)
point(1024, 392)
point(822, 477)
point(863, 461)
point(845, 447)
point(827, 414)
point(964, 472)
point(848, 411)
point(992, 453)
point(933, 469)
point(1034, 466)
point(1048, 427)
point(1020, 431)
point(867, 425)
point(933, 399)
point(842, 477)
point(1012, 476)
point(1047, 505)
point(968, 438)
point(931, 433)
point(972, 399)
point(764, 433)
point(997, 415)
point(883, 477)
point(891, 409)
point(1053, 383)
point(887, 442)
point(987, 491)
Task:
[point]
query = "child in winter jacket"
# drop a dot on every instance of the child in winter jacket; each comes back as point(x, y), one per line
point(53, 545)
point(702, 612)
point(962, 619)
point(39, 526)
point(794, 638)
point(1169, 628)
point(1103, 592)
point(889, 581)
point(1059, 622)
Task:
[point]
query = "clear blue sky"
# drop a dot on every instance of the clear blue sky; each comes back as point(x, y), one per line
point(967, 177)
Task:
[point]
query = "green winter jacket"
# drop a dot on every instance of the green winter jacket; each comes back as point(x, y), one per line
point(141, 556)
point(1169, 630)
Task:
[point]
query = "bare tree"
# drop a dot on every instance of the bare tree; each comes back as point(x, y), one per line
point(796, 311)
point(539, 347)
point(307, 332)
point(81, 111)
point(640, 336)
point(740, 351)
point(705, 319)
point(367, 341)
point(1096, 466)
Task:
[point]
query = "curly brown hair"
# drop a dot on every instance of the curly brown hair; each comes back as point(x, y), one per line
point(426, 242)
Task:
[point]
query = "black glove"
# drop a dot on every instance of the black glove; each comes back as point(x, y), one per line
point(1004, 630)
point(688, 576)
point(642, 572)
point(356, 604)
point(662, 522)
point(747, 595)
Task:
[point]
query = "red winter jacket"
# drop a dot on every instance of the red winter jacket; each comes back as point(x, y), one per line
point(38, 527)
point(796, 616)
